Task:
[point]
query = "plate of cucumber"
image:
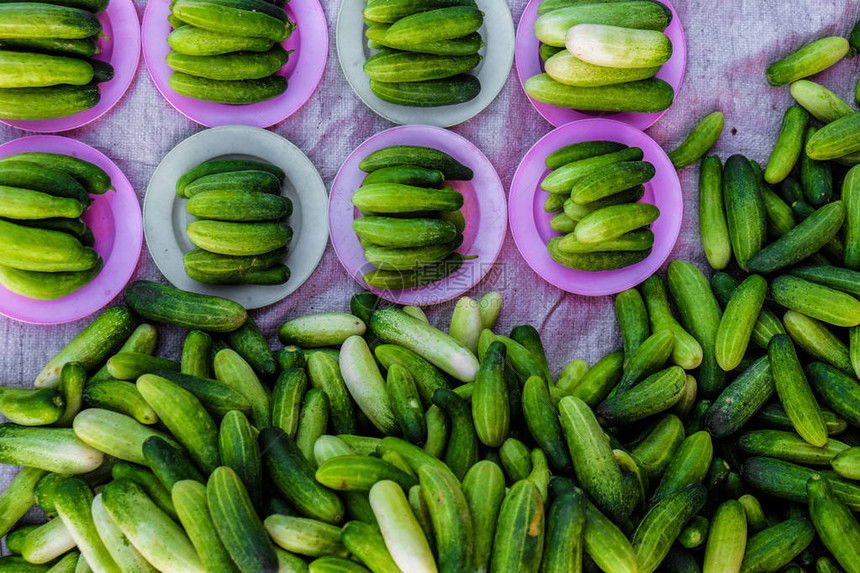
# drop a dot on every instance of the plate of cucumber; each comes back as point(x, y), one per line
point(531, 224)
point(166, 216)
point(305, 52)
point(477, 231)
point(471, 67)
point(530, 54)
point(118, 44)
point(115, 221)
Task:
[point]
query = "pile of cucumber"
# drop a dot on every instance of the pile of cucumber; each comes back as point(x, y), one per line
point(239, 226)
point(425, 51)
point(47, 64)
point(411, 223)
point(594, 187)
point(46, 249)
point(603, 56)
point(375, 442)
point(228, 51)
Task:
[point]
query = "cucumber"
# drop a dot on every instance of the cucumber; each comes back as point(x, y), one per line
point(562, 179)
point(17, 498)
point(467, 45)
point(406, 175)
point(550, 5)
point(816, 175)
point(403, 536)
point(579, 151)
point(324, 373)
point(169, 305)
point(738, 321)
point(741, 399)
point(232, 370)
point(687, 352)
point(767, 325)
point(606, 544)
point(323, 329)
point(613, 179)
point(79, 48)
point(26, 70)
point(775, 416)
point(618, 47)
point(274, 275)
point(131, 365)
point(398, 198)
point(632, 320)
point(836, 139)
point(287, 398)
point(406, 404)
point(227, 205)
point(103, 72)
point(396, 327)
point(805, 239)
point(25, 175)
point(789, 447)
point(237, 445)
point(230, 174)
point(225, 268)
point(365, 383)
point(74, 500)
point(643, 96)
point(229, 20)
point(92, 177)
point(119, 396)
point(744, 209)
point(612, 222)
point(216, 397)
point(137, 516)
point(519, 539)
point(484, 488)
point(450, 515)
point(595, 466)
point(305, 536)
point(396, 67)
point(780, 217)
point(46, 102)
point(700, 314)
point(293, 475)
point(699, 141)
point(655, 451)
point(818, 301)
point(28, 204)
point(438, 24)
point(366, 543)
point(567, 69)
point(656, 393)
point(837, 390)
point(115, 434)
point(235, 92)
point(786, 480)
point(252, 345)
point(820, 102)
point(395, 280)
point(847, 463)
point(461, 451)
point(232, 66)
point(836, 526)
point(38, 20)
point(727, 538)
point(51, 449)
point(808, 60)
point(794, 392)
point(230, 238)
point(34, 249)
point(359, 473)
point(648, 358)
point(312, 422)
point(427, 377)
point(392, 232)
point(431, 93)
point(150, 484)
point(425, 157)
point(46, 542)
point(541, 420)
point(193, 41)
point(387, 11)
point(689, 465)
point(189, 497)
point(466, 324)
point(551, 27)
point(663, 523)
point(32, 407)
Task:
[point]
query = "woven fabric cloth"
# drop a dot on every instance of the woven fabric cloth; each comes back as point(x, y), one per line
point(729, 43)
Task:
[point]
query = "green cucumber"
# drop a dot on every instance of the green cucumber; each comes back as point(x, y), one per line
point(74, 500)
point(484, 488)
point(399, 198)
point(687, 352)
point(613, 179)
point(689, 465)
point(252, 345)
point(519, 539)
point(551, 27)
point(32, 407)
point(437, 24)
point(466, 324)
point(28, 204)
point(699, 141)
point(189, 497)
point(847, 463)
point(787, 481)
point(655, 451)
point(745, 212)
point(216, 397)
point(600, 379)
point(612, 222)
point(413, 155)
point(595, 261)
point(450, 515)
point(406, 404)
point(359, 473)
point(193, 41)
point(169, 463)
point(324, 373)
point(463, 46)
point(47, 102)
point(293, 475)
point(35, 249)
point(461, 452)
point(232, 66)
point(366, 384)
point(836, 526)
point(387, 11)
point(232, 370)
point(170, 305)
point(741, 399)
point(113, 433)
point(79, 48)
point(644, 96)
point(606, 544)
point(305, 536)
point(393, 232)
point(122, 551)
point(565, 526)
point(839, 391)
point(235, 92)
point(738, 321)
point(663, 523)
point(578, 151)
point(836, 139)
point(119, 396)
point(231, 175)
point(632, 320)
point(398, 67)
point(229, 205)
point(26, 70)
point(567, 69)
point(322, 329)
point(789, 447)
point(542, 422)
point(406, 175)
point(131, 365)
point(820, 102)
point(17, 498)
point(850, 197)
point(26, 175)
point(562, 179)
point(46, 21)
point(403, 536)
point(767, 325)
point(656, 393)
point(807, 238)
point(366, 542)
point(312, 421)
point(808, 60)
point(91, 176)
point(229, 20)
point(816, 175)
point(727, 538)
point(618, 47)
point(46, 542)
point(231, 238)
point(150, 484)
point(818, 301)
point(775, 416)
point(52, 449)
point(794, 392)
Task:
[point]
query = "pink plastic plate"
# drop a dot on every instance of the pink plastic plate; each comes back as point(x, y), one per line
point(115, 220)
point(484, 210)
point(530, 223)
point(303, 71)
point(120, 46)
point(529, 64)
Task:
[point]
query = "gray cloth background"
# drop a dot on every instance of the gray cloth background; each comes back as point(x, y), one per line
point(730, 43)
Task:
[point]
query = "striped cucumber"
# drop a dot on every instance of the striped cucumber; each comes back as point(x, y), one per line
point(519, 540)
point(808, 60)
point(836, 389)
point(484, 488)
point(789, 447)
point(551, 27)
point(727, 539)
point(776, 546)
point(490, 406)
point(189, 498)
point(119, 396)
point(818, 301)
point(687, 352)
point(324, 374)
point(606, 544)
point(689, 465)
point(57, 450)
point(656, 393)
point(403, 536)
point(738, 320)
point(794, 391)
point(740, 400)
point(73, 501)
point(745, 212)
point(836, 526)
point(451, 517)
point(661, 526)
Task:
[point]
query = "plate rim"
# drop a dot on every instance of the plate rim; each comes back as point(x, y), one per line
point(521, 190)
point(133, 227)
point(413, 295)
point(550, 113)
point(317, 191)
point(124, 74)
point(406, 115)
point(270, 115)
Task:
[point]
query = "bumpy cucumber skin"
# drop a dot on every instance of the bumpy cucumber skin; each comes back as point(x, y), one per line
point(233, 66)
point(169, 305)
point(567, 69)
point(519, 541)
point(741, 399)
point(744, 209)
point(738, 321)
point(438, 24)
point(663, 523)
point(193, 41)
point(836, 139)
point(431, 93)
point(808, 60)
point(645, 96)
point(818, 301)
point(834, 523)
point(236, 92)
point(700, 140)
point(414, 67)
point(47, 102)
point(551, 28)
